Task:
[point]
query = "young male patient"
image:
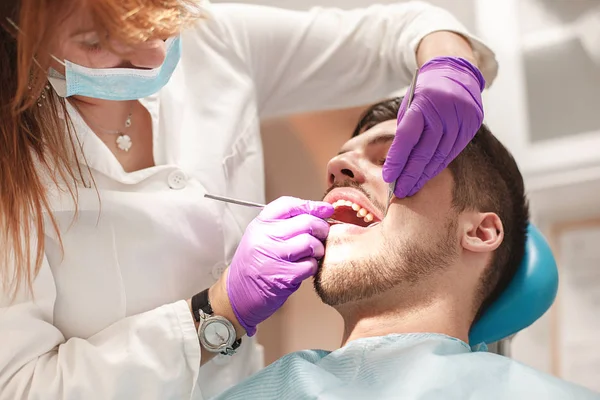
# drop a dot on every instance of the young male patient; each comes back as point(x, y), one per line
point(410, 286)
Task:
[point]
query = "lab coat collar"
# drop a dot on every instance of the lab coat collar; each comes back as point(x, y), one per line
point(99, 158)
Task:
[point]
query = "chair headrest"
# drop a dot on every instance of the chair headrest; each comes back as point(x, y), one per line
point(528, 296)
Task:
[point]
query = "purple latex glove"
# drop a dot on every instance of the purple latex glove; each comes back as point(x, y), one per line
point(278, 251)
point(444, 116)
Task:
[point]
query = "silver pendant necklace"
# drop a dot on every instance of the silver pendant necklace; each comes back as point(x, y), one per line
point(123, 141)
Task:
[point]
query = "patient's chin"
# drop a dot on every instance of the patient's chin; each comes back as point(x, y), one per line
point(336, 287)
point(344, 276)
point(327, 288)
point(348, 260)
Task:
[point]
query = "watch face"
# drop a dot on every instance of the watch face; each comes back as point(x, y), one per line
point(216, 333)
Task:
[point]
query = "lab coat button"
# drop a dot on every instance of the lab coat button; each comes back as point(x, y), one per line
point(218, 270)
point(177, 180)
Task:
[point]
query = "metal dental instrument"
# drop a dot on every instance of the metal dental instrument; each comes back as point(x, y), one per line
point(251, 204)
point(234, 201)
point(410, 94)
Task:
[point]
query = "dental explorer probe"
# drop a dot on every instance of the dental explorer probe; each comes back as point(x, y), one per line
point(252, 204)
point(410, 94)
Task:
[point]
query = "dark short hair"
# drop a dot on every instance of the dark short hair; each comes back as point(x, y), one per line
point(487, 179)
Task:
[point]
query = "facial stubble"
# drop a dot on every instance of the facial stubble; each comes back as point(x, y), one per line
point(396, 262)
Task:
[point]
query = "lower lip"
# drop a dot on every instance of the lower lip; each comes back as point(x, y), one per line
point(346, 228)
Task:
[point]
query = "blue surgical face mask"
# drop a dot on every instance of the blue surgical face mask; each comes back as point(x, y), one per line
point(118, 84)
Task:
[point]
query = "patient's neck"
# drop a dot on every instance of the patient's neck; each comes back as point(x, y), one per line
point(445, 313)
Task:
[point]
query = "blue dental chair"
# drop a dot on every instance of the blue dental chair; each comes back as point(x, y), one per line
point(528, 296)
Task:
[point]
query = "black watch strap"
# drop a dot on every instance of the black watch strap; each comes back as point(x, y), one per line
point(200, 302)
point(235, 345)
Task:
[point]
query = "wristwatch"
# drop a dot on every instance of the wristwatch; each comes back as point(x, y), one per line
point(216, 333)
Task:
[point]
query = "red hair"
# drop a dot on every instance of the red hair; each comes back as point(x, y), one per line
point(34, 145)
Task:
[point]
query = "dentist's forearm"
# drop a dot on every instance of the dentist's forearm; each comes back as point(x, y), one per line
point(219, 300)
point(443, 43)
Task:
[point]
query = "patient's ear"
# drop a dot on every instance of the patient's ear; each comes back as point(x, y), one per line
point(483, 232)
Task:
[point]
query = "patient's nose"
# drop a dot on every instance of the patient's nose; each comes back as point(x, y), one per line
point(344, 167)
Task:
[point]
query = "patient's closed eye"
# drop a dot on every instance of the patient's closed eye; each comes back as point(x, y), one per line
point(377, 153)
point(378, 148)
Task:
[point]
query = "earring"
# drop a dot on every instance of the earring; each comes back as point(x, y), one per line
point(42, 95)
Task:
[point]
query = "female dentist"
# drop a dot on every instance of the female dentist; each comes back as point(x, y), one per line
point(119, 280)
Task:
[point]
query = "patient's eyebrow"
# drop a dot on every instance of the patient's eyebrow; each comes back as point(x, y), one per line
point(379, 139)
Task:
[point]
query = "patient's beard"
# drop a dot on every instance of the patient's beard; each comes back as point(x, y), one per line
point(397, 262)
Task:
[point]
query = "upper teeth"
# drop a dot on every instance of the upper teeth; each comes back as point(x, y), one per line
point(360, 211)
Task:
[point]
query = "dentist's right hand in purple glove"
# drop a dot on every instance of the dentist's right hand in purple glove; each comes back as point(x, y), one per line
point(278, 251)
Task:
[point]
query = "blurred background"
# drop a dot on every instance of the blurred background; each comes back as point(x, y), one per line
point(544, 107)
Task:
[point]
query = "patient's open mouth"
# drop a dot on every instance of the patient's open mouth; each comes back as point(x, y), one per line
point(352, 207)
point(352, 213)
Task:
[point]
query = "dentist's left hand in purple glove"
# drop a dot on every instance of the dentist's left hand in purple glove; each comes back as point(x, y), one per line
point(444, 116)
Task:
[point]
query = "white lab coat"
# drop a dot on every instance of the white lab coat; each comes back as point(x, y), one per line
point(108, 320)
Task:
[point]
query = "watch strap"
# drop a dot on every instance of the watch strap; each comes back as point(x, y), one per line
point(200, 302)
point(230, 351)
